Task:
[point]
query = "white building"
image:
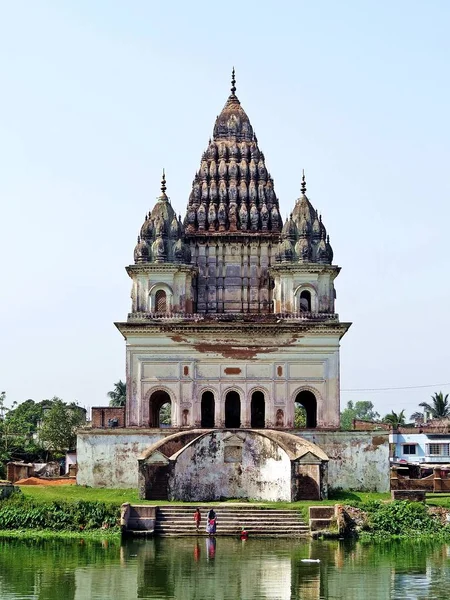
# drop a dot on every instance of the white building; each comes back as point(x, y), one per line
point(233, 312)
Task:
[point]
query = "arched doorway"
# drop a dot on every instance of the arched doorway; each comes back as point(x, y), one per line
point(308, 402)
point(305, 301)
point(159, 409)
point(207, 410)
point(232, 410)
point(258, 411)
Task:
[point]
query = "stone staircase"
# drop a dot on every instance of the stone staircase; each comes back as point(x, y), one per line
point(179, 521)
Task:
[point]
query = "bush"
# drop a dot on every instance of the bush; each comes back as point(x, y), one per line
point(21, 513)
point(401, 518)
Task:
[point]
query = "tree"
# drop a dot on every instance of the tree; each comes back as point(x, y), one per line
point(395, 420)
point(362, 410)
point(118, 396)
point(59, 424)
point(417, 417)
point(165, 414)
point(439, 407)
point(299, 416)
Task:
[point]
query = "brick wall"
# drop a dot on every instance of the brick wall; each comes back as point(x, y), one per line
point(102, 415)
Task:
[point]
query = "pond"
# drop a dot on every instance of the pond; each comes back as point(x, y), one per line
point(223, 568)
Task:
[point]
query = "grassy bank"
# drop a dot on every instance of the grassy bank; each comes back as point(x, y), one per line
point(112, 535)
point(70, 511)
point(73, 493)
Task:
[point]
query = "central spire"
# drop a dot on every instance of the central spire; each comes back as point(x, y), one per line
point(233, 122)
point(233, 190)
point(233, 82)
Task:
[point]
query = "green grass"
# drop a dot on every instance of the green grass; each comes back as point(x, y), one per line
point(438, 499)
point(77, 492)
point(49, 534)
point(119, 496)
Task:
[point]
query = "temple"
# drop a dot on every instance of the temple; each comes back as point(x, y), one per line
point(233, 317)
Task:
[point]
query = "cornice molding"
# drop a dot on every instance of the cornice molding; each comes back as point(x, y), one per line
point(248, 330)
point(144, 268)
point(282, 268)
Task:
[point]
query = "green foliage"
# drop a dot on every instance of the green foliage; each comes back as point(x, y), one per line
point(165, 414)
point(362, 410)
point(299, 416)
point(400, 518)
point(59, 425)
point(118, 396)
point(395, 420)
point(20, 512)
point(439, 407)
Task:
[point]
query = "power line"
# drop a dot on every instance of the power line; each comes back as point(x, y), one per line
point(387, 389)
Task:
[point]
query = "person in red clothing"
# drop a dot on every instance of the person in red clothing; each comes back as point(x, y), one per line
point(197, 518)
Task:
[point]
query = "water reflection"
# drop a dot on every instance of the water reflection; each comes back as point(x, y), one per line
point(222, 568)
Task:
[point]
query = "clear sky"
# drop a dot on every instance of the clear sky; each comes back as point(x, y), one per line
point(98, 96)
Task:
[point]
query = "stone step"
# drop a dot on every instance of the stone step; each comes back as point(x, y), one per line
point(178, 521)
point(237, 521)
point(269, 534)
point(223, 508)
point(258, 515)
point(228, 528)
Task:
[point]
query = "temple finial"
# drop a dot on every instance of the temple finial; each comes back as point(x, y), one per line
point(233, 82)
point(303, 187)
point(163, 183)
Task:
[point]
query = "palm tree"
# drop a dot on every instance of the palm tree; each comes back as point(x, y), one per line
point(395, 420)
point(439, 408)
point(118, 396)
point(417, 417)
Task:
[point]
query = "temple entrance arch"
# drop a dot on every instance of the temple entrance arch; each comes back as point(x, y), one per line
point(232, 410)
point(308, 402)
point(207, 408)
point(158, 409)
point(258, 411)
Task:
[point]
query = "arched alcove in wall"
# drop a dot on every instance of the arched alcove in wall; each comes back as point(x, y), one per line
point(258, 410)
point(157, 402)
point(308, 401)
point(232, 410)
point(207, 408)
point(160, 301)
point(305, 301)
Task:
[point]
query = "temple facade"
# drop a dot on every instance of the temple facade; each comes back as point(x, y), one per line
point(233, 316)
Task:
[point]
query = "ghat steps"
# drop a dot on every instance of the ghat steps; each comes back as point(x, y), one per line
point(179, 521)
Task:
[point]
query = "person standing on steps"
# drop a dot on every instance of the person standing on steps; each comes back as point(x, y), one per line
point(211, 522)
point(197, 518)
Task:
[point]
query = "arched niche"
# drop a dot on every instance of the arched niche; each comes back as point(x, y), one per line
point(306, 299)
point(207, 410)
point(232, 410)
point(308, 401)
point(258, 410)
point(157, 401)
point(160, 298)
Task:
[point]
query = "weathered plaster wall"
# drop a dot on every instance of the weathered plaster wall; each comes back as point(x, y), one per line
point(358, 460)
point(215, 467)
point(187, 366)
point(108, 458)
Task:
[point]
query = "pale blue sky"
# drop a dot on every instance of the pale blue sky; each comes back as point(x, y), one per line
point(97, 96)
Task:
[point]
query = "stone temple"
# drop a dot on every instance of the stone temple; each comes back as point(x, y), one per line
point(232, 324)
point(233, 311)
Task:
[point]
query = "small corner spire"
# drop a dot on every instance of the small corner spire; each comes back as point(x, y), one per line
point(233, 82)
point(163, 183)
point(303, 186)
